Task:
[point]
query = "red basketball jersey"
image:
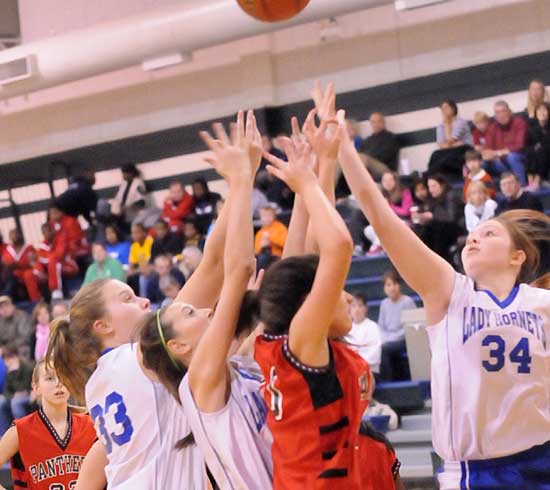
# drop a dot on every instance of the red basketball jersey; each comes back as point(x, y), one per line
point(379, 465)
point(314, 415)
point(45, 461)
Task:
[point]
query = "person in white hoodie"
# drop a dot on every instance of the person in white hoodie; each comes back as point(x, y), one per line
point(479, 207)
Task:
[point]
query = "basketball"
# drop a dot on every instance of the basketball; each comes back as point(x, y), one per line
point(273, 10)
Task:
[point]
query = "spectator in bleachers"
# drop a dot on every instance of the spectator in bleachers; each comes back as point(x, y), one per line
point(536, 95)
point(178, 205)
point(16, 327)
point(400, 200)
point(259, 200)
point(538, 149)
point(18, 258)
point(130, 198)
point(190, 260)
point(420, 206)
point(481, 126)
point(165, 242)
point(514, 196)
point(116, 246)
point(479, 206)
point(440, 226)
point(454, 138)
point(191, 233)
point(80, 199)
point(140, 250)
point(39, 340)
point(394, 348)
point(364, 336)
point(162, 267)
point(380, 150)
point(352, 126)
point(68, 246)
point(219, 206)
point(505, 142)
point(205, 204)
point(59, 310)
point(103, 266)
point(270, 238)
point(16, 401)
point(476, 173)
point(170, 287)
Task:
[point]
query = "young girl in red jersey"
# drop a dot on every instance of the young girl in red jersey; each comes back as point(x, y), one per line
point(48, 446)
point(316, 388)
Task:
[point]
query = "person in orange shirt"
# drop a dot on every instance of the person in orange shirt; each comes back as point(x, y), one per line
point(270, 238)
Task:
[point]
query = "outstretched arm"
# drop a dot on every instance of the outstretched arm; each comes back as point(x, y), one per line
point(425, 271)
point(310, 327)
point(92, 471)
point(208, 372)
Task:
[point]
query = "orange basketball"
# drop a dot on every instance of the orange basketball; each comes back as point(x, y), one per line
point(272, 10)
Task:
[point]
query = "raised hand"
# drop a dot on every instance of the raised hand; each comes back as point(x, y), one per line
point(239, 155)
point(297, 172)
point(324, 139)
point(325, 100)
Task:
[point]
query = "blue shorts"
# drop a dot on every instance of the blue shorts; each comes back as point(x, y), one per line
point(528, 470)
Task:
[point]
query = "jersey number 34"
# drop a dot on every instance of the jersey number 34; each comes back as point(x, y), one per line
point(518, 355)
point(122, 429)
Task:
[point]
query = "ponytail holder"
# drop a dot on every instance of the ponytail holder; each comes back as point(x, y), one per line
point(163, 340)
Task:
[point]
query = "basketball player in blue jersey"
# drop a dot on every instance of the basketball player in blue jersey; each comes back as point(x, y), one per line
point(489, 333)
point(92, 353)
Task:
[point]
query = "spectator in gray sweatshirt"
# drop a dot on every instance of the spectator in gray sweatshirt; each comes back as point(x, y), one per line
point(393, 366)
point(16, 327)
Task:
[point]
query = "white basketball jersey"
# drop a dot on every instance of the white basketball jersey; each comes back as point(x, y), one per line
point(491, 373)
point(139, 423)
point(235, 441)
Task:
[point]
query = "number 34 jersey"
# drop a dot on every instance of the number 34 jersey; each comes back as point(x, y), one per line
point(139, 424)
point(491, 373)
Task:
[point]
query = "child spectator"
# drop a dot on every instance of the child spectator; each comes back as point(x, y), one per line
point(165, 242)
point(162, 268)
point(391, 328)
point(16, 401)
point(177, 206)
point(68, 245)
point(192, 234)
point(538, 148)
point(140, 251)
point(481, 126)
point(18, 258)
point(205, 204)
point(103, 266)
point(476, 173)
point(16, 327)
point(364, 336)
point(479, 206)
point(400, 200)
point(41, 317)
point(115, 246)
point(170, 288)
point(270, 238)
point(59, 310)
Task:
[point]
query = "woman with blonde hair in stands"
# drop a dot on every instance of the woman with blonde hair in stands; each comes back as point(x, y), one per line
point(47, 447)
point(536, 95)
point(488, 330)
point(138, 422)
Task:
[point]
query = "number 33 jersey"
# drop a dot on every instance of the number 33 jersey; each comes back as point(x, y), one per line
point(139, 424)
point(491, 373)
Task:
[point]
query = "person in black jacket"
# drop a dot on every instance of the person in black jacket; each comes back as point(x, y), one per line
point(514, 196)
point(381, 149)
point(538, 148)
point(205, 203)
point(80, 198)
point(165, 242)
point(441, 225)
